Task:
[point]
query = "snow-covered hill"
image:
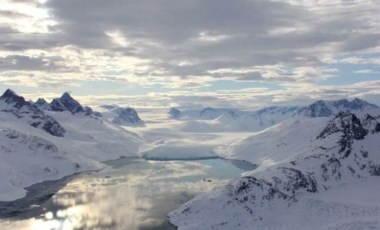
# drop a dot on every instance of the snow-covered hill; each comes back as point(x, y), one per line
point(301, 164)
point(37, 145)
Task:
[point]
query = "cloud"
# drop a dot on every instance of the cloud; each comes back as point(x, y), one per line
point(216, 34)
point(367, 71)
point(190, 46)
point(21, 62)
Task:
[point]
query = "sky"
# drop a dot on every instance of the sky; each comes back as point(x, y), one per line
point(191, 53)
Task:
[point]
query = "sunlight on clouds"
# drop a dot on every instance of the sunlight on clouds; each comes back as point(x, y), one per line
point(118, 38)
point(207, 36)
point(27, 17)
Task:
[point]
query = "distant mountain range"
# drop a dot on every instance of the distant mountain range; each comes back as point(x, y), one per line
point(224, 120)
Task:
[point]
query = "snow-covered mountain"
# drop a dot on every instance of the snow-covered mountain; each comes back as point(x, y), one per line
point(42, 104)
point(238, 121)
point(206, 114)
point(37, 145)
point(12, 105)
point(67, 103)
point(303, 162)
point(123, 116)
point(328, 108)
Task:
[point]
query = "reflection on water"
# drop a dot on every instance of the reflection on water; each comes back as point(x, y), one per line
point(131, 194)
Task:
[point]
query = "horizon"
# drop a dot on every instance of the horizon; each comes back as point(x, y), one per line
point(49, 100)
point(241, 54)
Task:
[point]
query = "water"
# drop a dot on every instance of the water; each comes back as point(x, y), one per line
point(133, 194)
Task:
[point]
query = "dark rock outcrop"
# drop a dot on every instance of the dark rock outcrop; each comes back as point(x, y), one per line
point(67, 103)
point(26, 111)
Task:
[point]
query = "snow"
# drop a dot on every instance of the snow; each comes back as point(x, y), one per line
point(279, 143)
point(299, 181)
point(298, 184)
point(97, 138)
point(30, 155)
point(323, 211)
point(165, 142)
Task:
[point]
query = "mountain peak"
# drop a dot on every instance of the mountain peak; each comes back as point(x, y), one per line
point(66, 96)
point(66, 102)
point(41, 101)
point(9, 93)
point(9, 96)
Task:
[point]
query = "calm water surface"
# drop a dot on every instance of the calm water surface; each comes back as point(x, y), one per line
point(132, 194)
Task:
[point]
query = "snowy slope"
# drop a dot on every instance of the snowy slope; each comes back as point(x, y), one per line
point(279, 143)
point(97, 138)
point(28, 159)
point(75, 142)
point(285, 194)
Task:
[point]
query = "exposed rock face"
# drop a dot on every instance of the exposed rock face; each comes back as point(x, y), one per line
point(128, 116)
point(11, 98)
point(56, 105)
point(34, 142)
point(26, 111)
point(42, 104)
point(174, 113)
point(67, 103)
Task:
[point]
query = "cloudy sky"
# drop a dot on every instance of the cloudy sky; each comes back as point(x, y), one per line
point(222, 53)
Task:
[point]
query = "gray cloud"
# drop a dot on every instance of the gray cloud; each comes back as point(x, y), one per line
point(251, 32)
point(20, 62)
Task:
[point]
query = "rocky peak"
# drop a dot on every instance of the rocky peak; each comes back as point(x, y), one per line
point(56, 105)
point(31, 114)
point(371, 124)
point(70, 103)
point(67, 103)
point(10, 97)
point(42, 104)
point(348, 127)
